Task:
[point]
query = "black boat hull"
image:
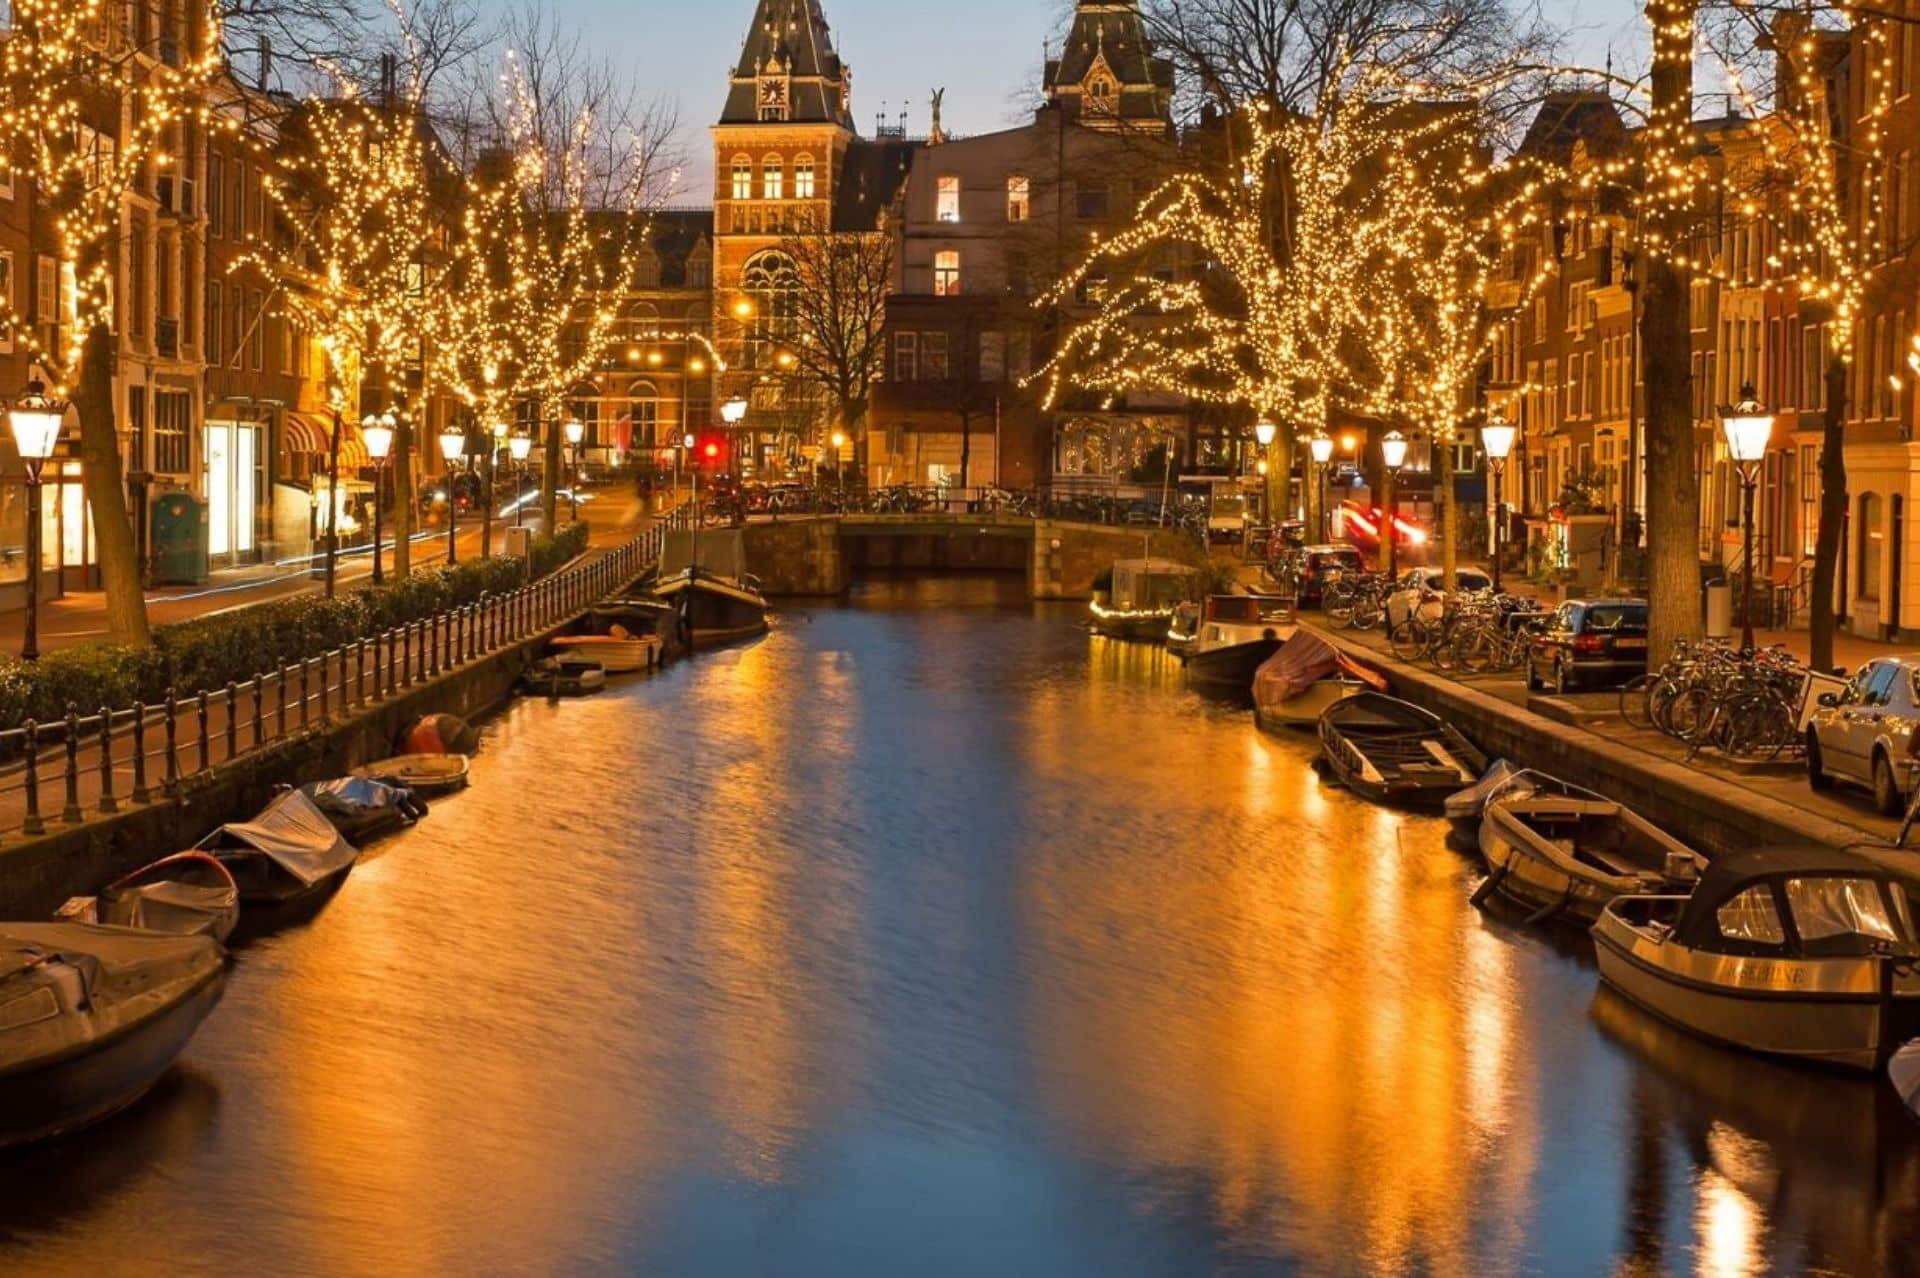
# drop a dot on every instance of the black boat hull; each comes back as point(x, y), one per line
point(1230, 669)
point(62, 1096)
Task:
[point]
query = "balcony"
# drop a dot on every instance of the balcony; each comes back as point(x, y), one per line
point(166, 338)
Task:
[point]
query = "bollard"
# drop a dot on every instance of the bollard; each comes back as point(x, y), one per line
point(140, 791)
point(106, 761)
point(71, 813)
point(259, 727)
point(406, 654)
point(233, 720)
point(173, 741)
point(33, 823)
point(346, 698)
point(201, 702)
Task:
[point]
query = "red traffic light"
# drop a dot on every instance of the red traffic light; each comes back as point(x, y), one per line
point(710, 450)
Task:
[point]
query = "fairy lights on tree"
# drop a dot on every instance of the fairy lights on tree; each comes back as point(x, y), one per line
point(87, 117)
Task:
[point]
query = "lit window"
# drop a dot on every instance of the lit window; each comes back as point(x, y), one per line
point(803, 178)
point(742, 178)
point(770, 177)
point(1016, 199)
point(1100, 95)
point(946, 273)
point(948, 208)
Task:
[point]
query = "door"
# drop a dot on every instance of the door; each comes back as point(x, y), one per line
point(1860, 721)
point(245, 487)
point(219, 489)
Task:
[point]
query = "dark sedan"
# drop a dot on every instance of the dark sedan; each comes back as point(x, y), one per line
point(1589, 643)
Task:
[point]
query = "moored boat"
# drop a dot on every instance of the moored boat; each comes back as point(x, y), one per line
point(1294, 686)
point(288, 854)
point(362, 808)
point(1570, 852)
point(92, 1016)
point(1183, 630)
point(564, 677)
point(1392, 751)
point(1236, 634)
point(1141, 601)
point(186, 894)
point(619, 651)
point(703, 577)
point(1806, 953)
point(427, 773)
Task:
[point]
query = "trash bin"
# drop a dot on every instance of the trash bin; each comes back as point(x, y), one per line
point(1719, 610)
point(178, 537)
point(519, 542)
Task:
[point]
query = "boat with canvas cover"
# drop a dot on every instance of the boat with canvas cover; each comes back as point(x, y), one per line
point(1808, 953)
point(1141, 601)
point(1294, 686)
point(186, 894)
point(92, 1016)
point(362, 808)
point(288, 855)
point(703, 575)
point(1236, 634)
point(1568, 852)
point(1392, 751)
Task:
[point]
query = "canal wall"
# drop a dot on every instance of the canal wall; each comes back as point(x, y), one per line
point(38, 872)
point(1067, 557)
point(1700, 809)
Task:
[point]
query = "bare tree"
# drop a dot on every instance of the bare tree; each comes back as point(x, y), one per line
point(833, 344)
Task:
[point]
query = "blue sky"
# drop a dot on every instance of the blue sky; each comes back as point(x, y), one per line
point(985, 52)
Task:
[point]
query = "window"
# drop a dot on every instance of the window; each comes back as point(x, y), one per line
point(992, 366)
point(1751, 916)
point(946, 273)
point(905, 356)
point(216, 177)
point(1871, 539)
point(803, 177)
point(172, 410)
point(947, 198)
point(137, 278)
point(1100, 96)
point(771, 178)
point(1840, 914)
point(1017, 199)
point(1090, 201)
point(742, 178)
point(771, 285)
point(933, 356)
point(215, 317)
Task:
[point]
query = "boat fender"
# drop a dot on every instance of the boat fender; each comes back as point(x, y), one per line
point(1489, 885)
point(1550, 909)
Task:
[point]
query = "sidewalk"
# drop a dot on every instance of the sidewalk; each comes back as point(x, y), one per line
point(79, 617)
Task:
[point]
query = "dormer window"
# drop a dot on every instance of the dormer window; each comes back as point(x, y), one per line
point(1100, 95)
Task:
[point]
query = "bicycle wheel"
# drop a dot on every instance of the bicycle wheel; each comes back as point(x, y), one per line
point(1660, 699)
point(1368, 612)
point(1408, 639)
point(1635, 696)
point(1688, 713)
point(1337, 604)
point(1472, 651)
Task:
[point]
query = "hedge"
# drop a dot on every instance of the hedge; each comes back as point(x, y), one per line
point(208, 652)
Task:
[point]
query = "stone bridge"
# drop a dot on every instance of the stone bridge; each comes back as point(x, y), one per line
point(820, 554)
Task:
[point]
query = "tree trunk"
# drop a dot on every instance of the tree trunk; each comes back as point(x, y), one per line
point(550, 472)
point(1673, 492)
point(1443, 512)
point(404, 501)
point(120, 575)
point(1833, 518)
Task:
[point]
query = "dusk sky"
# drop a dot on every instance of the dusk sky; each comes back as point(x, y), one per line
point(986, 53)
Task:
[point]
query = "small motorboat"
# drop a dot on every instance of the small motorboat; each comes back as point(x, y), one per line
point(362, 808)
point(427, 773)
point(186, 894)
point(619, 651)
point(1294, 686)
point(1237, 634)
point(1808, 953)
point(1183, 630)
point(1141, 601)
point(564, 677)
point(703, 577)
point(92, 1016)
point(288, 855)
point(638, 615)
point(1904, 1072)
point(1392, 751)
point(1570, 852)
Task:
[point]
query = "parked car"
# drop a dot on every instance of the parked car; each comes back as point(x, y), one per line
point(1319, 565)
point(1589, 643)
point(1864, 733)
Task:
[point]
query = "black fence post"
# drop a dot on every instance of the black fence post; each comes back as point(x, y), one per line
point(71, 814)
point(33, 824)
point(360, 671)
point(346, 689)
point(280, 700)
point(173, 741)
point(233, 720)
point(201, 705)
point(259, 695)
point(306, 691)
point(107, 803)
point(140, 792)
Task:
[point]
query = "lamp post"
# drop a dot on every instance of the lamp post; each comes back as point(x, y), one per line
point(576, 430)
point(496, 440)
point(1263, 434)
point(1393, 453)
point(1320, 447)
point(378, 432)
point(1748, 428)
point(1496, 441)
point(35, 421)
point(453, 446)
point(733, 412)
point(519, 446)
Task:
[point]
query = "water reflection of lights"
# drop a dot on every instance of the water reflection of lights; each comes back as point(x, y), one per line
point(1730, 1233)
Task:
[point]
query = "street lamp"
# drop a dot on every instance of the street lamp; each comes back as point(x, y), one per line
point(1320, 448)
point(839, 441)
point(520, 446)
point(1748, 428)
point(453, 446)
point(378, 432)
point(733, 412)
point(1263, 434)
point(1393, 453)
point(1496, 440)
point(576, 430)
point(35, 421)
point(496, 441)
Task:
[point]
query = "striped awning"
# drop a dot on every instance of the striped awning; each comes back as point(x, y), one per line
point(312, 433)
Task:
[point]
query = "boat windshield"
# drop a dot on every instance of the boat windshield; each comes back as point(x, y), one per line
point(1841, 915)
point(1232, 608)
point(1751, 916)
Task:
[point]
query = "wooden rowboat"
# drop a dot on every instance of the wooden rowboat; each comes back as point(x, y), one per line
point(432, 773)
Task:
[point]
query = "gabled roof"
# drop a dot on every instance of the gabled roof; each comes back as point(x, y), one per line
point(1574, 115)
point(1109, 34)
point(790, 39)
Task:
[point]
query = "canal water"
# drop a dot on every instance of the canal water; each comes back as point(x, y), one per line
point(930, 936)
